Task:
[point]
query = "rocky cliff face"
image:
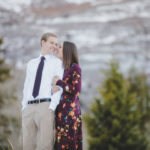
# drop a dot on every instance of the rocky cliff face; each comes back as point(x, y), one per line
point(102, 30)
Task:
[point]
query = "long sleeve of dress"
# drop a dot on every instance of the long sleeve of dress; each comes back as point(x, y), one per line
point(72, 86)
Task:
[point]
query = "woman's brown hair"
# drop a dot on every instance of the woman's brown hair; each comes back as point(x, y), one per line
point(70, 54)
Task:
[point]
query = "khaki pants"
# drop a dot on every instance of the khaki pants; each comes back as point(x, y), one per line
point(38, 127)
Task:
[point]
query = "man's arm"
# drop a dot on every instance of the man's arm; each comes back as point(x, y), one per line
point(26, 83)
point(56, 96)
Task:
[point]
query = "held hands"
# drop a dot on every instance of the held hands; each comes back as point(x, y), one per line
point(54, 89)
point(55, 79)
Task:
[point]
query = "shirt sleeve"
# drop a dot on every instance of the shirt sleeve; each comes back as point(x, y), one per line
point(26, 83)
point(55, 99)
point(74, 86)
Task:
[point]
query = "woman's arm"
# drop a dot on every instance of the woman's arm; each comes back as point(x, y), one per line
point(74, 87)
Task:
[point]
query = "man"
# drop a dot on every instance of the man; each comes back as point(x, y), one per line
point(38, 102)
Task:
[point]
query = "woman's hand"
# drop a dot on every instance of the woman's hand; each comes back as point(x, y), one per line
point(55, 89)
point(55, 79)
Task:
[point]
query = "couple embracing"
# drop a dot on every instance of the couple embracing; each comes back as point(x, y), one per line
point(51, 115)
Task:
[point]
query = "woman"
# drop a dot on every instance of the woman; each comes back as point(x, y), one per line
point(68, 113)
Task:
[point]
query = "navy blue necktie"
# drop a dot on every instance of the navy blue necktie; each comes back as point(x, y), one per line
point(38, 78)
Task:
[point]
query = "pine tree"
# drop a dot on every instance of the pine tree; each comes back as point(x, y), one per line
point(138, 84)
point(113, 121)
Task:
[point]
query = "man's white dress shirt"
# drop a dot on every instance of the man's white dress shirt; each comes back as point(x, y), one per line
point(52, 67)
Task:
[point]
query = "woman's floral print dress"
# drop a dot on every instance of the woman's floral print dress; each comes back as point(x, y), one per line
point(68, 113)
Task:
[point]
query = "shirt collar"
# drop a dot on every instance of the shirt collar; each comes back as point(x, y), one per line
point(46, 56)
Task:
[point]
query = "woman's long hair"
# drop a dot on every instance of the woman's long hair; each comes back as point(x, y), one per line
point(70, 54)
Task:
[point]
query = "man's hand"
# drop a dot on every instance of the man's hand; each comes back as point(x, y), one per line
point(55, 89)
point(51, 110)
point(55, 79)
